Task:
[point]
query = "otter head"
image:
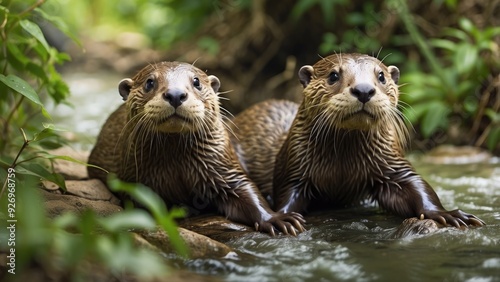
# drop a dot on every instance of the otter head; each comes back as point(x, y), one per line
point(171, 97)
point(351, 91)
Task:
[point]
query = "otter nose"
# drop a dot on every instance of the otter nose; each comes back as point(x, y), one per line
point(364, 92)
point(175, 97)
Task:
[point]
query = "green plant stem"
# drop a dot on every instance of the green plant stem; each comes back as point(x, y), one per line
point(14, 163)
point(3, 35)
point(36, 5)
point(415, 35)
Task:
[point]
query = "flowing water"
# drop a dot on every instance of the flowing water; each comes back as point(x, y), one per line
point(355, 244)
point(345, 245)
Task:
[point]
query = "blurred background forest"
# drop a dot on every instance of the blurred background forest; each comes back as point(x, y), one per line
point(447, 50)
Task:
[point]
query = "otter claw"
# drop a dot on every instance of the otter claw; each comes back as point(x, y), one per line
point(456, 218)
point(476, 221)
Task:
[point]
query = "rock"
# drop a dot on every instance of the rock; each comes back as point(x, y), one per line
point(92, 189)
point(449, 154)
point(199, 245)
point(414, 226)
point(216, 227)
point(71, 170)
point(58, 204)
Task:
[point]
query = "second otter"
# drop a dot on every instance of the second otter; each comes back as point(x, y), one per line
point(344, 143)
point(170, 136)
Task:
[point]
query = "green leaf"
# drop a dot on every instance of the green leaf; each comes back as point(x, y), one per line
point(466, 57)
point(436, 116)
point(47, 132)
point(36, 169)
point(33, 29)
point(466, 25)
point(128, 219)
point(443, 44)
point(16, 57)
point(37, 70)
point(70, 159)
point(149, 199)
point(493, 115)
point(60, 24)
point(22, 87)
point(457, 33)
point(493, 138)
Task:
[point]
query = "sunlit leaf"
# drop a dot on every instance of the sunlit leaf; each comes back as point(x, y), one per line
point(465, 58)
point(466, 25)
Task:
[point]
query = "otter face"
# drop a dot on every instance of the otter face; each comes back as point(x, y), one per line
point(352, 91)
point(171, 97)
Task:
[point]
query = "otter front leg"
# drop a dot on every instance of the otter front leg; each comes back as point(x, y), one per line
point(290, 200)
point(246, 206)
point(414, 197)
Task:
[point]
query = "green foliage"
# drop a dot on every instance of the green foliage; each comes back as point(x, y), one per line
point(452, 88)
point(75, 246)
point(327, 7)
point(28, 75)
point(147, 198)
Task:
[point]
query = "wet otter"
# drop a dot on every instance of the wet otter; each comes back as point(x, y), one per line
point(344, 143)
point(170, 135)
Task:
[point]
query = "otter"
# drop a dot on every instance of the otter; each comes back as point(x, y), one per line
point(170, 135)
point(343, 144)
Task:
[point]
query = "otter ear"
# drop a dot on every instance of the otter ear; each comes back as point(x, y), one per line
point(214, 82)
point(305, 75)
point(124, 87)
point(394, 71)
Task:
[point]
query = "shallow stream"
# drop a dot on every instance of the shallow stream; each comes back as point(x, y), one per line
point(355, 244)
point(352, 245)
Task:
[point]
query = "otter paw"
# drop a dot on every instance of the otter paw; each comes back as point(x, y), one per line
point(455, 218)
point(286, 223)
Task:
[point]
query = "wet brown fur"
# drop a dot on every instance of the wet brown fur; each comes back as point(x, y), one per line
point(333, 150)
point(184, 154)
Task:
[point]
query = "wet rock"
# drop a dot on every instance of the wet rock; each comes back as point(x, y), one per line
point(58, 204)
point(414, 226)
point(71, 170)
point(216, 227)
point(449, 154)
point(199, 245)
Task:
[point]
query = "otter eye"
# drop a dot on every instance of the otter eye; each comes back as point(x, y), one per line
point(334, 77)
point(149, 85)
point(196, 83)
point(381, 77)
